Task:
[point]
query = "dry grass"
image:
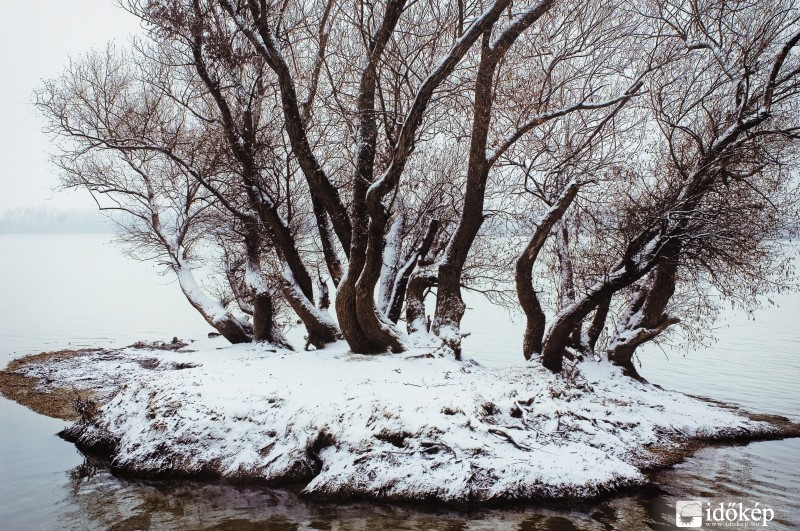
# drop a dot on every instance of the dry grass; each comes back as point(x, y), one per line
point(58, 402)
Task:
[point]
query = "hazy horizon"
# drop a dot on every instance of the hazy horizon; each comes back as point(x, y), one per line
point(51, 219)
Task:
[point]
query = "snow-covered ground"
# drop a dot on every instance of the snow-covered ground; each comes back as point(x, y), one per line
point(399, 426)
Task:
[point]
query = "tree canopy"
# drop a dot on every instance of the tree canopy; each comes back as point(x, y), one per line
point(604, 167)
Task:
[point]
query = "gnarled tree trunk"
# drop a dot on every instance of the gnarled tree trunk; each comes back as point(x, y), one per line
point(535, 319)
point(450, 306)
point(420, 281)
point(645, 318)
point(359, 320)
point(215, 314)
point(375, 325)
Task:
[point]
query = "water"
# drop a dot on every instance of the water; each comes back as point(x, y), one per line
point(79, 291)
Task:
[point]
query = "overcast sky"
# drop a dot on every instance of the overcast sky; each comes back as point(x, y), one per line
point(37, 38)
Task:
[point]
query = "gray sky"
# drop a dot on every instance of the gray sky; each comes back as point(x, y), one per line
point(37, 37)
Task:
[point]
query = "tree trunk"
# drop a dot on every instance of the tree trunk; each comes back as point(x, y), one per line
point(416, 320)
point(566, 293)
point(319, 185)
point(523, 273)
point(297, 285)
point(324, 294)
point(346, 307)
point(392, 261)
point(450, 306)
point(326, 239)
point(645, 318)
point(262, 317)
point(376, 327)
point(598, 324)
point(625, 274)
point(231, 328)
point(355, 301)
point(407, 137)
point(264, 328)
point(529, 302)
point(557, 337)
point(419, 258)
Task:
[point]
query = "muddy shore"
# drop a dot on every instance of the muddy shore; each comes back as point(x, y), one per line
point(58, 402)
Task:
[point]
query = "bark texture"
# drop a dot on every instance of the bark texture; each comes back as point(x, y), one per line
point(535, 319)
point(645, 318)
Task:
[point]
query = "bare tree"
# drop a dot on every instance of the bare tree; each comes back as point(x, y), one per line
point(164, 210)
point(632, 154)
point(716, 195)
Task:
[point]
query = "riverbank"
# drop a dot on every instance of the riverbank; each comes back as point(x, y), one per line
point(397, 427)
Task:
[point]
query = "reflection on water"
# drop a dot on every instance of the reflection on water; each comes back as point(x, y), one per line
point(97, 500)
point(57, 290)
point(765, 472)
point(33, 465)
point(101, 501)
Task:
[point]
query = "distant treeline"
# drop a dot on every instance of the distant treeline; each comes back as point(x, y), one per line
point(45, 220)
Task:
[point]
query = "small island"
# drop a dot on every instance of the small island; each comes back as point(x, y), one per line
point(403, 427)
point(332, 186)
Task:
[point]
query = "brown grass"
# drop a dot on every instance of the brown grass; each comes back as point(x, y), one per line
point(681, 448)
point(58, 402)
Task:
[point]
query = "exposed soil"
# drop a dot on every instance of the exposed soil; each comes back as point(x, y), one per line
point(661, 457)
point(175, 344)
point(58, 402)
point(53, 399)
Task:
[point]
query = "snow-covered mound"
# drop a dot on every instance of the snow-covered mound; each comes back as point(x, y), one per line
point(398, 426)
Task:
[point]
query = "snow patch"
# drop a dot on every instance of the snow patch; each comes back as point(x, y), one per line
point(400, 426)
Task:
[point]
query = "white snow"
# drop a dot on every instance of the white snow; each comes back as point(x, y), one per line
point(398, 426)
point(211, 308)
point(254, 278)
point(391, 264)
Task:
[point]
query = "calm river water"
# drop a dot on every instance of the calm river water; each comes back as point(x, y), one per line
point(59, 291)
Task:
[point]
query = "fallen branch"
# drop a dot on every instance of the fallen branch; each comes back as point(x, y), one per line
point(509, 438)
